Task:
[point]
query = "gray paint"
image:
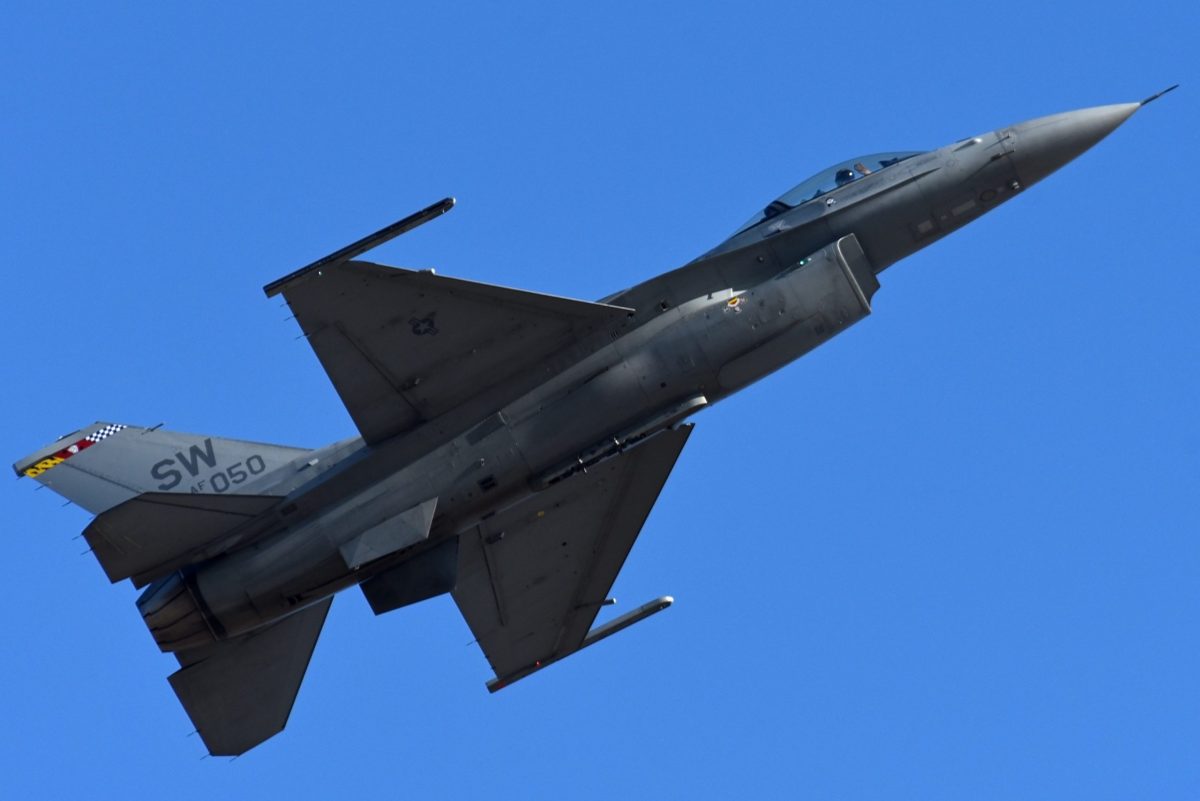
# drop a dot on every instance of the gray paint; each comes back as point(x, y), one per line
point(431, 573)
point(540, 429)
point(389, 536)
point(242, 692)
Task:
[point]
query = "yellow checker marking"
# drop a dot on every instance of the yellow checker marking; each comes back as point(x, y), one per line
point(43, 466)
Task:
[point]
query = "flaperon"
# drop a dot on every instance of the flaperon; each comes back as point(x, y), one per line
point(510, 445)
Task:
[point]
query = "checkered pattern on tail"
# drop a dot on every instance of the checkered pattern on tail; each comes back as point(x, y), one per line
point(105, 432)
point(33, 470)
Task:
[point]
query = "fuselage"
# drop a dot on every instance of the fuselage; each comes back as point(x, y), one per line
point(789, 281)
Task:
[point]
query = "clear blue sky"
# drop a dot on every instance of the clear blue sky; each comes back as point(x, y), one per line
point(953, 554)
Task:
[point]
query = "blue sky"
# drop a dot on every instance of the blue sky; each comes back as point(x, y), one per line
point(951, 554)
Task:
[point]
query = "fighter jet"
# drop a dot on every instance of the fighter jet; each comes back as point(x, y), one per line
point(510, 444)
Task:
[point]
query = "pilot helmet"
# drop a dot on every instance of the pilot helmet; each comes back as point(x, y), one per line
point(844, 176)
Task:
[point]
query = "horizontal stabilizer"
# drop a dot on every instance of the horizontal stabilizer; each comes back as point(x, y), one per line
point(240, 692)
point(158, 532)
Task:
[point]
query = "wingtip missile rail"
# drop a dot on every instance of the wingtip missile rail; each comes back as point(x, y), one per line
point(361, 246)
point(594, 636)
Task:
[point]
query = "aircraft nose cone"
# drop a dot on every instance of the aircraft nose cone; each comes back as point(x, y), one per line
point(1043, 145)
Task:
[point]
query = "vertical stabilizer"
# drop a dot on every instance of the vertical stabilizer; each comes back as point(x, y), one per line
point(106, 464)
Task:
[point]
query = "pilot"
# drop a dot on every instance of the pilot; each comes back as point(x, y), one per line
point(844, 176)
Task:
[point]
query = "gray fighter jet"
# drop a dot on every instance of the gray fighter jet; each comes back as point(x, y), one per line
point(511, 444)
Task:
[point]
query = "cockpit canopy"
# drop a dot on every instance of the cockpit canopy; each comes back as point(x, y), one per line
point(827, 180)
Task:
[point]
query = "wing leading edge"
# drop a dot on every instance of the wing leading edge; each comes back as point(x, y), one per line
point(532, 579)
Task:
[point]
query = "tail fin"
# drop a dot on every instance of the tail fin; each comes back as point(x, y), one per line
point(106, 464)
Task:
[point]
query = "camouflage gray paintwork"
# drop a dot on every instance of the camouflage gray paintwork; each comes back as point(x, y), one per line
point(697, 334)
